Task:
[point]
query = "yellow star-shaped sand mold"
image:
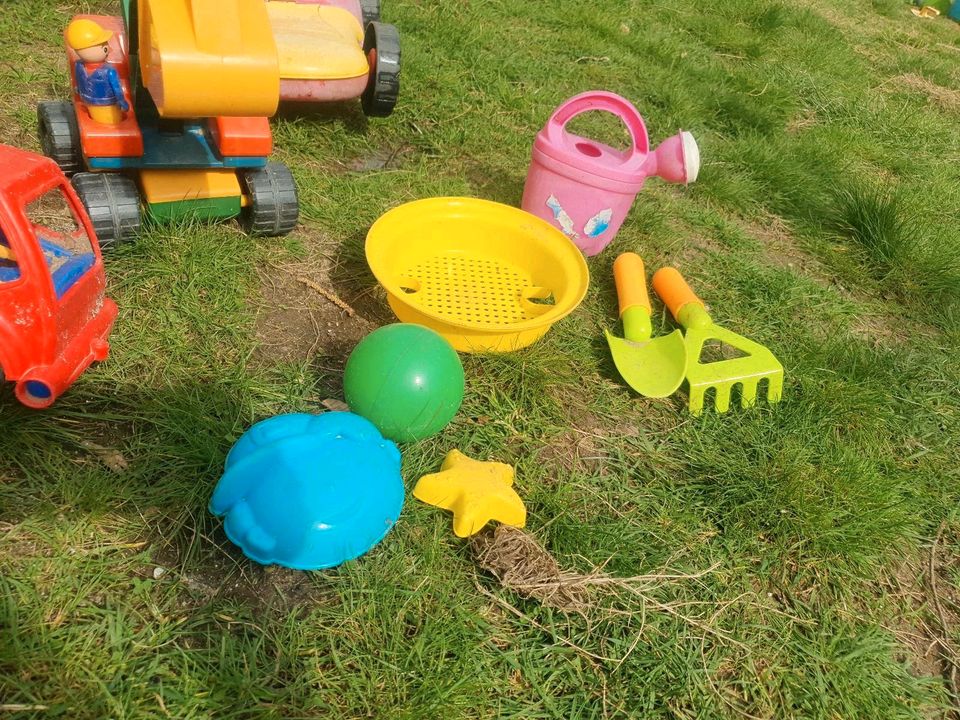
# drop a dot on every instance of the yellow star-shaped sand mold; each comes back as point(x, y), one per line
point(477, 492)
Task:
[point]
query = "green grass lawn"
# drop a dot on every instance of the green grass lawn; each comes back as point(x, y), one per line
point(824, 224)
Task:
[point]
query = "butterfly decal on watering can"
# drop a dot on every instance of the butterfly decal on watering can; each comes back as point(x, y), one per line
point(594, 227)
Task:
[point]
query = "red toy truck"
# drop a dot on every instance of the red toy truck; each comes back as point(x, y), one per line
point(54, 317)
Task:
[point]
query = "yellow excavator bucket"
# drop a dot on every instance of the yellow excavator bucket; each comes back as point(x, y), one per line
point(206, 58)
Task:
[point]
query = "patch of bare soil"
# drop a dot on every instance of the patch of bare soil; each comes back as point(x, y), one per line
point(782, 249)
point(803, 120)
point(581, 445)
point(884, 327)
point(841, 17)
point(225, 574)
point(578, 446)
point(571, 449)
point(12, 133)
point(947, 99)
point(697, 246)
point(221, 573)
point(943, 596)
point(881, 329)
point(380, 159)
point(912, 629)
point(300, 313)
point(928, 622)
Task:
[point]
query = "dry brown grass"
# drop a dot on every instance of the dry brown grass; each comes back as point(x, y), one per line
point(947, 99)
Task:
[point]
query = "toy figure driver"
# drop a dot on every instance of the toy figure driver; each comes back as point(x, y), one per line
point(98, 84)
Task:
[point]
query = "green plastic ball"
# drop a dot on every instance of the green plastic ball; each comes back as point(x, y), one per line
point(405, 379)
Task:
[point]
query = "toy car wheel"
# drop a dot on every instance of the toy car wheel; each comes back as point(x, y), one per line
point(381, 44)
point(113, 203)
point(59, 135)
point(272, 206)
point(370, 10)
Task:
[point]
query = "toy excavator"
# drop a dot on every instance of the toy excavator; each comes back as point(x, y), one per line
point(171, 102)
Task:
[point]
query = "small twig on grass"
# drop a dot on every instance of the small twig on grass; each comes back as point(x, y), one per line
point(522, 565)
point(14, 707)
point(327, 294)
point(112, 458)
point(669, 608)
point(162, 705)
point(947, 651)
point(543, 628)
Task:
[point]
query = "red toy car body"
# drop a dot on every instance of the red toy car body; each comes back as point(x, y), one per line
point(54, 316)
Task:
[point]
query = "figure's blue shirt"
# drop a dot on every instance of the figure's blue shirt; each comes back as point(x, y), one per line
point(99, 86)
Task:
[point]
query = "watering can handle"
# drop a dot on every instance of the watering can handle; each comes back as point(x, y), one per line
point(676, 294)
point(608, 102)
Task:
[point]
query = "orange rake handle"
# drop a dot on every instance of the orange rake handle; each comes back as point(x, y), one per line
point(630, 277)
point(674, 291)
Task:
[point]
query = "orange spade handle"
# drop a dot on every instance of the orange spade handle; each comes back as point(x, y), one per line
point(631, 280)
point(673, 290)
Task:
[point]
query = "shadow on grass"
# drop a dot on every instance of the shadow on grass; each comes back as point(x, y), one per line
point(131, 545)
point(152, 455)
point(347, 112)
point(903, 250)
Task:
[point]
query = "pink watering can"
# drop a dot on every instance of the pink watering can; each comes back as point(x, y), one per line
point(586, 188)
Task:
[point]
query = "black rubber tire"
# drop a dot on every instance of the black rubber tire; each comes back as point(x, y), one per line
point(272, 205)
point(59, 135)
point(383, 87)
point(113, 203)
point(370, 10)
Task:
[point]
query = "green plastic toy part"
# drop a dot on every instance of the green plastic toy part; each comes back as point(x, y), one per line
point(654, 368)
point(757, 363)
point(406, 379)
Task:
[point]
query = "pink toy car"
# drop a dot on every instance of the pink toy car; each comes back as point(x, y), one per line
point(333, 50)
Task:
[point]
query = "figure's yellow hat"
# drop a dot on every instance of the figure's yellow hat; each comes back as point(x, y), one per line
point(85, 33)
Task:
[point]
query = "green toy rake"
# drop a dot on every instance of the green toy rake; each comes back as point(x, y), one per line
point(756, 365)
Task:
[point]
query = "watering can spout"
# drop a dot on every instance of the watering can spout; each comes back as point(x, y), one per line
point(676, 159)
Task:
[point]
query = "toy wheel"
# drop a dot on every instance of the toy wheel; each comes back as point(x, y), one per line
point(113, 203)
point(59, 135)
point(272, 205)
point(381, 44)
point(370, 10)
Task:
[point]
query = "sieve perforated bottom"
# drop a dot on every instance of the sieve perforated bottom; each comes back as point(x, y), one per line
point(471, 290)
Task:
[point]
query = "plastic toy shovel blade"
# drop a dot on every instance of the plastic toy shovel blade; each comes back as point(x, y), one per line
point(655, 368)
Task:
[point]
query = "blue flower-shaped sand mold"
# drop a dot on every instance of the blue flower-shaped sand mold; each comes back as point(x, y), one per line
point(309, 491)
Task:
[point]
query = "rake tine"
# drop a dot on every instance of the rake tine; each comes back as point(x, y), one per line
point(775, 388)
point(722, 397)
point(696, 400)
point(756, 363)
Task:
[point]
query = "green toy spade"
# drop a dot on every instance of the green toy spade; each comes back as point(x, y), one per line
point(757, 364)
point(654, 368)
